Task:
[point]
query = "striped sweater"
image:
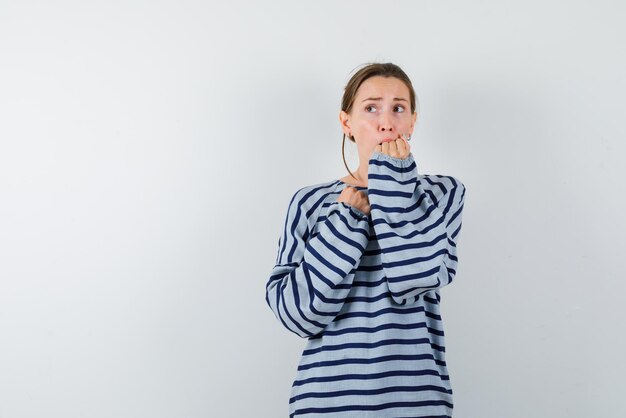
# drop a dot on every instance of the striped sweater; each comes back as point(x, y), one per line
point(364, 291)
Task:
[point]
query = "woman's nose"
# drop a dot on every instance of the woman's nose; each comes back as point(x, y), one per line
point(385, 123)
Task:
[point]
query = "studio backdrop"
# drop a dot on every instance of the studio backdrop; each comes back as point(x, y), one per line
point(149, 151)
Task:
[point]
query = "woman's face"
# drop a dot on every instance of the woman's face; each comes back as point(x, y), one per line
point(381, 112)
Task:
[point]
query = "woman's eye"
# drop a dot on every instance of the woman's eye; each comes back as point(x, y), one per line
point(369, 107)
point(400, 107)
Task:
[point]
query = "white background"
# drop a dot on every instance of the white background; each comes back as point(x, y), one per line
point(149, 150)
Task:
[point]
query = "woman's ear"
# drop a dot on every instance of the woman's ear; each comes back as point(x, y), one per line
point(345, 123)
point(414, 120)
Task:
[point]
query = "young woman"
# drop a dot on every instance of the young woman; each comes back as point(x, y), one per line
point(360, 264)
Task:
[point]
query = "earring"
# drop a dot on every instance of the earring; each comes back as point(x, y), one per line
point(407, 137)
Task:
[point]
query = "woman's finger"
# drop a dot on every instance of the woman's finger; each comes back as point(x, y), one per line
point(392, 148)
point(406, 146)
point(401, 146)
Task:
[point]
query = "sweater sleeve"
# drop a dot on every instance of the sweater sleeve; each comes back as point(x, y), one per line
point(416, 231)
point(313, 274)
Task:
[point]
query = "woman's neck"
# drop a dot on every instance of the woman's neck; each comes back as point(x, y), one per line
point(361, 178)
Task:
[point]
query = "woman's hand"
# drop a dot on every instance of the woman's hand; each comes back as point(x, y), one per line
point(353, 197)
point(398, 148)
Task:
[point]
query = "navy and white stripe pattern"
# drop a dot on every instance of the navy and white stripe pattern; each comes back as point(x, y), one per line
point(364, 291)
point(416, 235)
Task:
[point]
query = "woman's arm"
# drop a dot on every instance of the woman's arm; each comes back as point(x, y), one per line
point(417, 232)
point(313, 274)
